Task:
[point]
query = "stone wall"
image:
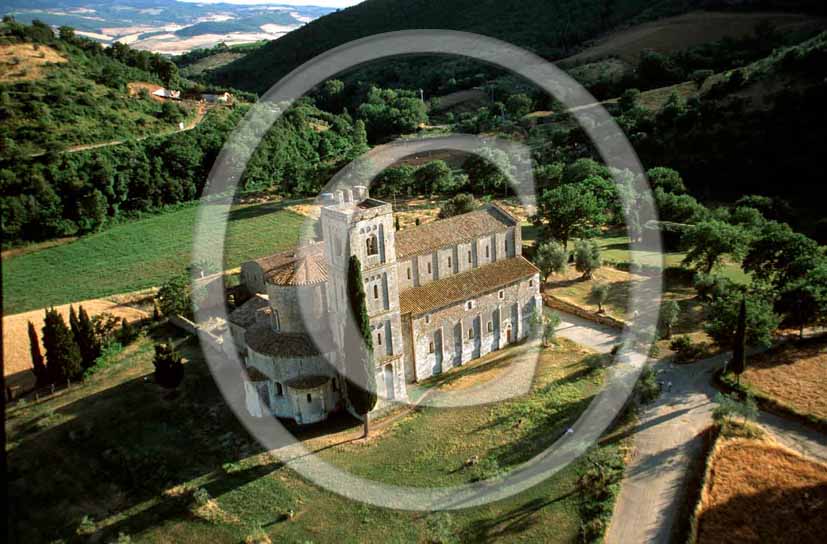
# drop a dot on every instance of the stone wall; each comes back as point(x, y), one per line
point(556, 303)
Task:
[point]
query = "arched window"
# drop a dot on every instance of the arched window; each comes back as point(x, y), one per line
point(309, 398)
point(376, 292)
point(274, 320)
point(372, 245)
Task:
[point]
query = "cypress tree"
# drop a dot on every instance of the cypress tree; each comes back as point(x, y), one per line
point(74, 324)
point(739, 355)
point(359, 352)
point(38, 364)
point(127, 332)
point(63, 359)
point(88, 342)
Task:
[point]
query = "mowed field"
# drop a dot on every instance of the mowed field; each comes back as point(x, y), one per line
point(684, 31)
point(17, 357)
point(761, 492)
point(130, 460)
point(794, 375)
point(138, 255)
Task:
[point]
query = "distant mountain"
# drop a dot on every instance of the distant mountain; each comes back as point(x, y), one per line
point(166, 26)
point(551, 28)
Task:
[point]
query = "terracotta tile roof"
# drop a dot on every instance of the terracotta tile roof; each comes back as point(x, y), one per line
point(306, 270)
point(271, 262)
point(254, 375)
point(454, 230)
point(262, 339)
point(470, 284)
point(304, 383)
point(245, 315)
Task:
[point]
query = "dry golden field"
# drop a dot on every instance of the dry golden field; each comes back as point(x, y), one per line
point(757, 491)
point(25, 61)
point(793, 375)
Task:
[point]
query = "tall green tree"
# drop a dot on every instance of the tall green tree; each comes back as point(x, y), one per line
point(568, 211)
point(804, 300)
point(434, 177)
point(739, 348)
point(709, 241)
point(780, 255)
point(63, 360)
point(41, 374)
point(87, 340)
point(722, 320)
point(74, 324)
point(359, 351)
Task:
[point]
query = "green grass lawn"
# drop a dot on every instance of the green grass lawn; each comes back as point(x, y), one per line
point(116, 451)
point(137, 255)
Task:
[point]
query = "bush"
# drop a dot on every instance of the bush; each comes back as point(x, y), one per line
point(685, 350)
point(599, 295)
point(648, 388)
point(458, 205)
point(680, 343)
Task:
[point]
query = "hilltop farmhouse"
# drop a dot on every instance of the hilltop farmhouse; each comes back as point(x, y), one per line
point(438, 295)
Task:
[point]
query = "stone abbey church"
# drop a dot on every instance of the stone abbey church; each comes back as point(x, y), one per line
point(438, 295)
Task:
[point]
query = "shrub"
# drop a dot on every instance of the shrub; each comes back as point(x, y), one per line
point(458, 205)
point(729, 407)
point(648, 388)
point(680, 343)
point(685, 350)
point(599, 294)
point(109, 354)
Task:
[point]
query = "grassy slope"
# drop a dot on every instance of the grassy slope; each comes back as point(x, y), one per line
point(73, 108)
point(135, 459)
point(137, 255)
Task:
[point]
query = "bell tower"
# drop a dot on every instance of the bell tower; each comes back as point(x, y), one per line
point(355, 224)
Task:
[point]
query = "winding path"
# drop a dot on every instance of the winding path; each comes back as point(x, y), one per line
point(668, 439)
